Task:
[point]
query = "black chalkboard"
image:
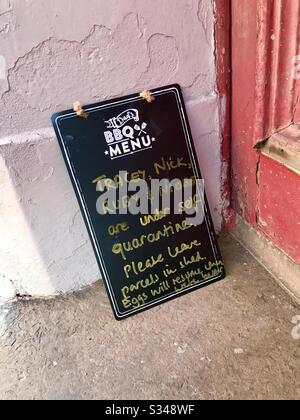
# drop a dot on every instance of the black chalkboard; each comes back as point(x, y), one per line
point(144, 260)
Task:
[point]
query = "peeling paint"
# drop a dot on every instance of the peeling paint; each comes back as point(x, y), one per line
point(117, 54)
point(7, 18)
point(107, 49)
point(163, 54)
point(204, 14)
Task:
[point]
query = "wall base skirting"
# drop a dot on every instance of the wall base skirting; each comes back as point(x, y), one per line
point(277, 263)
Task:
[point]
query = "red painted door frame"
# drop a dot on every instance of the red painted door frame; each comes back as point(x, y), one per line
point(223, 65)
point(264, 44)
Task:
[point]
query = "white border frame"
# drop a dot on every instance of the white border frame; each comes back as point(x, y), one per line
point(97, 247)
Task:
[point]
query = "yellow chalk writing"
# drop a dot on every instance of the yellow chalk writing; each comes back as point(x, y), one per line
point(182, 248)
point(168, 230)
point(141, 267)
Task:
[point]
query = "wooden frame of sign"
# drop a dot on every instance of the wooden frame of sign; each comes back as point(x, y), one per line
point(144, 259)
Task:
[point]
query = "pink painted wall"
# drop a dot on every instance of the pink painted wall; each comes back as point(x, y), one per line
point(55, 52)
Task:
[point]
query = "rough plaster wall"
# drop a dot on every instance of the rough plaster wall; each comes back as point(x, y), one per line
point(45, 248)
point(54, 52)
point(59, 51)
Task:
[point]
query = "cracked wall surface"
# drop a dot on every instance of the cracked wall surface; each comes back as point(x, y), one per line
point(57, 52)
point(53, 53)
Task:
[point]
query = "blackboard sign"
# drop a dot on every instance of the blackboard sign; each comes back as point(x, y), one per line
point(150, 257)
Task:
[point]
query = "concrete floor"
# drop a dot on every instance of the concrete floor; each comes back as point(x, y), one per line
point(231, 340)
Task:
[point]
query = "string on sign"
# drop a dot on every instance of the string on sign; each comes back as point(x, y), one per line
point(147, 95)
point(80, 112)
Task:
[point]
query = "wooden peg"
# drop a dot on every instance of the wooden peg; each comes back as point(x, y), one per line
point(80, 112)
point(146, 94)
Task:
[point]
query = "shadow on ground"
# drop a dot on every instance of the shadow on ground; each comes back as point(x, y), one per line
point(230, 340)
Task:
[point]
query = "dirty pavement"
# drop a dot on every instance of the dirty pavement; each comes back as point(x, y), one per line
point(231, 340)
